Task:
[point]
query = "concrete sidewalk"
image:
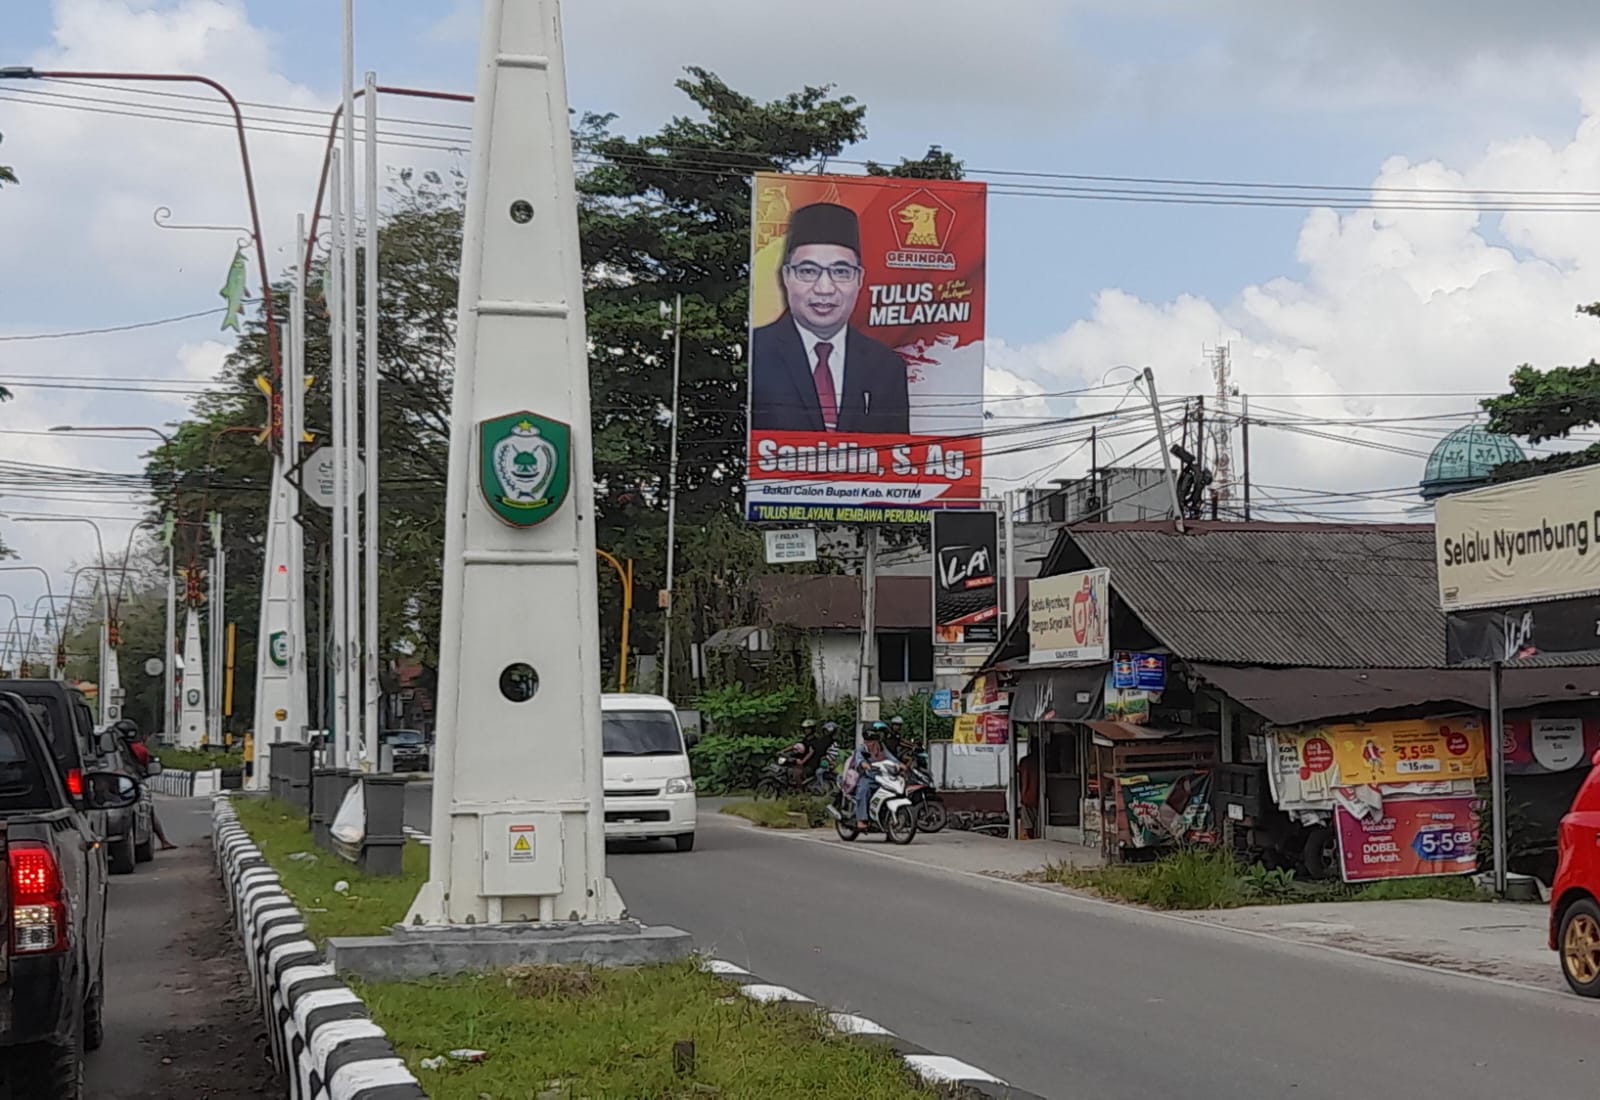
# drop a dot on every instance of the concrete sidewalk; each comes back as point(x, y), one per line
point(1487, 938)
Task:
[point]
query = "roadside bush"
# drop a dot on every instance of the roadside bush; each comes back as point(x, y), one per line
point(722, 764)
point(734, 711)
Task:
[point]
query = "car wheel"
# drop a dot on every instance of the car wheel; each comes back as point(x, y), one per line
point(1580, 947)
point(94, 1018)
point(684, 841)
point(1321, 856)
point(121, 855)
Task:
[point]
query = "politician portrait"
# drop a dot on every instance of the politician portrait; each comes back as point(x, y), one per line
point(810, 370)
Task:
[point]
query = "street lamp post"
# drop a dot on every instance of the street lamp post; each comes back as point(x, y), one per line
point(625, 575)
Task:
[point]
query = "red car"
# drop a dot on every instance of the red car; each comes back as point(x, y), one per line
point(1575, 897)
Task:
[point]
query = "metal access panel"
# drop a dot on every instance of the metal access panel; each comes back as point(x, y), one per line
point(522, 855)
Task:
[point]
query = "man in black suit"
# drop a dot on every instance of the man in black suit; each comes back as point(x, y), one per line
point(809, 370)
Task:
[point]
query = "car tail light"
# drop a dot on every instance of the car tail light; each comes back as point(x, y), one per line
point(75, 782)
point(38, 902)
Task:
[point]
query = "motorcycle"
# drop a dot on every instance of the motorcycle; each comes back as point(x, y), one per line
point(890, 811)
point(779, 778)
point(931, 813)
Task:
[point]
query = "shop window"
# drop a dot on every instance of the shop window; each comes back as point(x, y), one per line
point(905, 658)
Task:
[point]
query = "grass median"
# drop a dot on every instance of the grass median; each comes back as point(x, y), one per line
point(195, 760)
point(575, 1032)
point(571, 1032)
point(368, 906)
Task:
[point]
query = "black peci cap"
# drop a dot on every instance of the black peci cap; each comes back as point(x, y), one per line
point(823, 223)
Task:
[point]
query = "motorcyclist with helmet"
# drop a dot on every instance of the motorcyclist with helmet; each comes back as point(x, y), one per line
point(814, 745)
point(872, 751)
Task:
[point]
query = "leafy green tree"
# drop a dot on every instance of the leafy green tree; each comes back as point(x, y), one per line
point(1549, 404)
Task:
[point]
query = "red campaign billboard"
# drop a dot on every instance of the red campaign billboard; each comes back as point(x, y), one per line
point(866, 348)
point(1411, 838)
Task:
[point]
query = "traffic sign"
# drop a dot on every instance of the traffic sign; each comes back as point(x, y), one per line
point(318, 478)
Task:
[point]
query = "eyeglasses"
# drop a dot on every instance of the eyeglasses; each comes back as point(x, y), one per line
point(843, 274)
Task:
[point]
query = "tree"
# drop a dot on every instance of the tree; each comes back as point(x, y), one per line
point(1549, 404)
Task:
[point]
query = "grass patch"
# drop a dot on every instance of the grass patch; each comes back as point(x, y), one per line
point(195, 760)
point(370, 905)
point(792, 812)
point(611, 1032)
point(1203, 878)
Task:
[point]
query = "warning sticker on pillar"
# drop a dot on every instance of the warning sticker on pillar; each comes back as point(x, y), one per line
point(524, 844)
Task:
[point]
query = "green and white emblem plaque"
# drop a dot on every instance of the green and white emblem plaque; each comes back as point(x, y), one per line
point(524, 466)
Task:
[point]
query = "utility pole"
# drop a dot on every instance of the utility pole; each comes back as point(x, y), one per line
point(217, 605)
point(340, 726)
point(1166, 455)
point(672, 500)
point(369, 648)
point(169, 656)
point(1244, 444)
point(518, 750)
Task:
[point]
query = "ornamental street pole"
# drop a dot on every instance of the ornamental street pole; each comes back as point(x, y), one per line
point(518, 808)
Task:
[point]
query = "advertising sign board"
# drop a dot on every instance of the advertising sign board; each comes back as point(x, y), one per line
point(866, 357)
point(1069, 617)
point(966, 589)
point(1410, 838)
point(1520, 542)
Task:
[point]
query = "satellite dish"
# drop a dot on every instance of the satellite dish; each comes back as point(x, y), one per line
point(153, 667)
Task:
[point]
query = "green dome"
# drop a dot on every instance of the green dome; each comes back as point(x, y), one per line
point(1465, 458)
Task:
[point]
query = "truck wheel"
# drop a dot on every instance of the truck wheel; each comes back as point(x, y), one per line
point(121, 855)
point(1321, 856)
point(1580, 947)
point(49, 1069)
point(144, 853)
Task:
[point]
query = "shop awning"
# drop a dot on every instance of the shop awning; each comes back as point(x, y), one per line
point(1288, 696)
point(1052, 694)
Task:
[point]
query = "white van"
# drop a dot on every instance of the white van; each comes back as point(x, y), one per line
point(649, 792)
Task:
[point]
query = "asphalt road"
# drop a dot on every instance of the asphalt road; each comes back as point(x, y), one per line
point(180, 1019)
point(1074, 998)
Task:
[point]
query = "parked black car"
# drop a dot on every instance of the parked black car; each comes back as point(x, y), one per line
point(407, 748)
point(52, 952)
point(68, 724)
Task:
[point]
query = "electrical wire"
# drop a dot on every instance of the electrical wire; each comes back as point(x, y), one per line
point(68, 334)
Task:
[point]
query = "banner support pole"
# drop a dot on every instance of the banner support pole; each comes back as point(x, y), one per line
point(865, 711)
point(1497, 775)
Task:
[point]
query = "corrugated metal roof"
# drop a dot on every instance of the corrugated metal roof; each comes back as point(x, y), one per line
point(1321, 595)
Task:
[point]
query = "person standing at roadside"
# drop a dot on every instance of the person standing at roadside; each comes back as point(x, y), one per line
point(128, 732)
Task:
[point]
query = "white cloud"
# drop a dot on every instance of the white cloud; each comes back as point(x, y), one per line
point(1389, 302)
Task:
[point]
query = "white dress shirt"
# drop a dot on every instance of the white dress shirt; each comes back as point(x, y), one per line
point(835, 358)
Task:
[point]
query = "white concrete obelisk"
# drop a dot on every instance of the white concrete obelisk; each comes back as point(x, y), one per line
point(192, 715)
point(518, 819)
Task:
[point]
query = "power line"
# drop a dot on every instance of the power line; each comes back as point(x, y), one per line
point(112, 328)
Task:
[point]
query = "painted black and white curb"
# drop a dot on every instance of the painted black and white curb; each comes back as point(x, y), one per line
point(325, 1046)
point(936, 1069)
point(187, 784)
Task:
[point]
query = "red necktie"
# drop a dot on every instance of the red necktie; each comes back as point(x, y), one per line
point(824, 380)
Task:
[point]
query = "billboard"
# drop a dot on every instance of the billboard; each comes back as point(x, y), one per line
point(1069, 617)
point(1407, 750)
point(866, 348)
point(1410, 838)
point(1521, 542)
point(966, 587)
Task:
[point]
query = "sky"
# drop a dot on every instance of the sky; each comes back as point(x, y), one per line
point(1329, 314)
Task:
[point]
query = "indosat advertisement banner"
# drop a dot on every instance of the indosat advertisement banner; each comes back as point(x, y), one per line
point(866, 348)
